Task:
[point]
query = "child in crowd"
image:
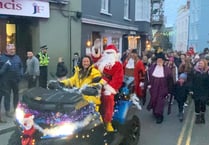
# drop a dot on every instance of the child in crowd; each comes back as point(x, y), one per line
point(180, 92)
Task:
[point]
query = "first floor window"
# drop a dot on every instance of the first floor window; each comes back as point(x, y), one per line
point(105, 6)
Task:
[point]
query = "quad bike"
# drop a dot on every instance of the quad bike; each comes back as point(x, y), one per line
point(60, 116)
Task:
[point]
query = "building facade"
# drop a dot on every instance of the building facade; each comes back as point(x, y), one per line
point(31, 24)
point(66, 25)
point(125, 24)
point(182, 29)
point(157, 22)
point(198, 29)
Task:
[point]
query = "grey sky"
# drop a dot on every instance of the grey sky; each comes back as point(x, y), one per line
point(171, 7)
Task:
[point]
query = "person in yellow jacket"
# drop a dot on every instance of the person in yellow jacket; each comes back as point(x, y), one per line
point(84, 74)
point(44, 62)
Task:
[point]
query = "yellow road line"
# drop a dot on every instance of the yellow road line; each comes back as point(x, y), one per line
point(188, 141)
point(181, 136)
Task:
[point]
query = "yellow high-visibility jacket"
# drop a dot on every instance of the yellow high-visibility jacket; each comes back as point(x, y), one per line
point(76, 81)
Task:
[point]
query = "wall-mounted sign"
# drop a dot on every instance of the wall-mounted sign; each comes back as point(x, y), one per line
point(29, 8)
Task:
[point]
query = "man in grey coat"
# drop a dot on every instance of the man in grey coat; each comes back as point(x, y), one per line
point(32, 69)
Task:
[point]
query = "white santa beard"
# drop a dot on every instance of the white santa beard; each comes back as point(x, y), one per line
point(106, 60)
point(28, 123)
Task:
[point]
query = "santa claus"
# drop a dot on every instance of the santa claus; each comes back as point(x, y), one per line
point(29, 129)
point(112, 72)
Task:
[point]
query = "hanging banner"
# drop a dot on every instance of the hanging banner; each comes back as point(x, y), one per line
point(29, 8)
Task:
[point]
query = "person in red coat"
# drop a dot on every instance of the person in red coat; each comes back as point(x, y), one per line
point(134, 67)
point(112, 72)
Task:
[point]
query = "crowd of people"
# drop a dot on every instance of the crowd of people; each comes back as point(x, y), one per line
point(13, 71)
point(177, 75)
point(174, 75)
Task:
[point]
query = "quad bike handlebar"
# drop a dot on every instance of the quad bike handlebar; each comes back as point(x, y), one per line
point(85, 90)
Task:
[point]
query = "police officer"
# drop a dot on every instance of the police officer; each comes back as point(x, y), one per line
point(44, 61)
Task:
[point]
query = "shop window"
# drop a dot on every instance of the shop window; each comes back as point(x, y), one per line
point(133, 42)
point(105, 6)
point(10, 32)
point(115, 41)
point(104, 42)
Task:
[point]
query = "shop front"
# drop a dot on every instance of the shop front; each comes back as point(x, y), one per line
point(29, 24)
point(17, 18)
point(120, 36)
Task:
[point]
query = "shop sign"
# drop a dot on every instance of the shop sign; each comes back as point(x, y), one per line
point(31, 8)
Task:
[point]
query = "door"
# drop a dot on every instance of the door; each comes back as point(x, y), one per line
point(2, 35)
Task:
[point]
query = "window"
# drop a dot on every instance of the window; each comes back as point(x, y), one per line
point(126, 9)
point(105, 6)
point(142, 10)
point(115, 41)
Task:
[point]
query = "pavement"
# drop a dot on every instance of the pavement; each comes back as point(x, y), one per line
point(9, 125)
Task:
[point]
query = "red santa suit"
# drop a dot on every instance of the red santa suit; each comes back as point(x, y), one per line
point(134, 67)
point(139, 75)
point(112, 79)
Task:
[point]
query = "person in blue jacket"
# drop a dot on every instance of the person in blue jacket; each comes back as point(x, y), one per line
point(3, 69)
point(13, 76)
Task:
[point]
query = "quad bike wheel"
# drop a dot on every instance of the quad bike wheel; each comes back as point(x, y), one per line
point(132, 135)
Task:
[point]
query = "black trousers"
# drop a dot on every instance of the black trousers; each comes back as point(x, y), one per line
point(43, 76)
point(200, 106)
point(180, 106)
point(11, 86)
point(32, 82)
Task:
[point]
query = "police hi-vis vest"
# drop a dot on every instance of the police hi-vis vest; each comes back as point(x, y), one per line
point(43, 59)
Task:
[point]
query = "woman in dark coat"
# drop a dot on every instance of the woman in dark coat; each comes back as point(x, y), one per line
point(160, 78)
point(200, 85)
point(62, 71)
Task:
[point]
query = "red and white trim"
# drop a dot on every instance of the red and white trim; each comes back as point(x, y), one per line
point(110, 88)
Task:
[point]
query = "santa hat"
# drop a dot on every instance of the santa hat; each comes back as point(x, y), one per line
point(28, 116)
point(111, 48)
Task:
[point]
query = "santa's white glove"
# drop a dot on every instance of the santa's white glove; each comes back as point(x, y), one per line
point(149, 86)
point(107, 93)
point(8, 62)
